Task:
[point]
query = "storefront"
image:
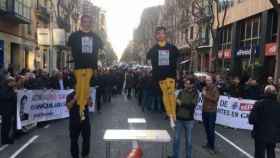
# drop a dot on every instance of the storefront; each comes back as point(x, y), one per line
point(249, 59)
point(270, 60)
point(225, 57)
point(203, 59)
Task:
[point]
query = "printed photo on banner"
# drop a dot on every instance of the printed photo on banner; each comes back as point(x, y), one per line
point(24, 101)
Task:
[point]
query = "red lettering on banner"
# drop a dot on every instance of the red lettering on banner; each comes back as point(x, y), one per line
point(246, 106)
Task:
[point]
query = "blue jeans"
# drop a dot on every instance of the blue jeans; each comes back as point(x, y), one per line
point(188, 126)
point(209, 122)
point(147, 100)
point(156, 103)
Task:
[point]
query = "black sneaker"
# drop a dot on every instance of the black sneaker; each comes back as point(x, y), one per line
point(212, 151)
point(206, 147)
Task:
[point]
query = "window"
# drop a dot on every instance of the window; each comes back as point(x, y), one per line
point(3, 4)
point(250, 32)
point(223, 4)
point(44, 60)
point(23, 8)
point(29, 29)
point(187, 34)
point(273, 27)
point(225, 38)
point(240, 1)
point(191, 33)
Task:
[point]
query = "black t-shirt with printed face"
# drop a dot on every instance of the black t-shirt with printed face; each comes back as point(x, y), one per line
point(85, 47)
point(164, 61)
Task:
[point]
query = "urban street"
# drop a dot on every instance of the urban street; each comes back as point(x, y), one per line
point(52, 141)
point(139, 79)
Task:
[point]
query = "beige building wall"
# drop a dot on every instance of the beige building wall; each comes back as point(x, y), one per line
point(20, 55)
point(21, 35)
point(245, 9)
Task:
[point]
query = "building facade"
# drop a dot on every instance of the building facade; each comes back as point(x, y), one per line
point(20, 20)
point(143, 37)
point(247, 42)
point(16, 34)
point(189, 29)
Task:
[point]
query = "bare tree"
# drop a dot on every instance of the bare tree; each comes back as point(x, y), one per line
point(203, 13)
point(276, 7)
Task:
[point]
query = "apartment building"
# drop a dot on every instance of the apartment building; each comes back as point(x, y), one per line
point(247, 42)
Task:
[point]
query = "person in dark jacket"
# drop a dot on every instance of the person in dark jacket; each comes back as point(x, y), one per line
point(147, 91)
point(8, 99)
point(252, 90)
point(129, 84)
point(186, 102)
point(265, 118)
point(78, 126)
point(210, 95)
point(236, 89)
point(97, 83)
point(221, 85)
point(58, 82)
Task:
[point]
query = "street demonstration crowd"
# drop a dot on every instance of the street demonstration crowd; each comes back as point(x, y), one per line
point(139, 83)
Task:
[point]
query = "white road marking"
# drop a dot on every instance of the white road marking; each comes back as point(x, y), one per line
point(125, 97)
point(47, 126)
point(24, 146)
point(234, 145)
point(4, 147)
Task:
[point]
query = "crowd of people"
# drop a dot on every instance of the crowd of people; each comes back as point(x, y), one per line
point(108, 82)
point(137, 83)
point(140, 83)
point(154, 90)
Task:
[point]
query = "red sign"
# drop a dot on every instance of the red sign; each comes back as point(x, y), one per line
point(227, 54)
point(270, 49)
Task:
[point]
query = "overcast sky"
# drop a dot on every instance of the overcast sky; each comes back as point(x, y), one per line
point(123, 16)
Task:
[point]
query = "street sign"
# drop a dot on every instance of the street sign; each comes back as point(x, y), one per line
point(43, 36)
point(59, 37)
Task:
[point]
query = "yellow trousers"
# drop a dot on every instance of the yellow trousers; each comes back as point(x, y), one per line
point(169, 99)
point(82, 88)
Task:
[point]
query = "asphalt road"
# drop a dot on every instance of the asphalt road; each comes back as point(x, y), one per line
point(53, 140)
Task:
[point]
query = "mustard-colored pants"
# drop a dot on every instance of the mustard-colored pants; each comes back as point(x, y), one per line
point(82, 87)
point(169, 99)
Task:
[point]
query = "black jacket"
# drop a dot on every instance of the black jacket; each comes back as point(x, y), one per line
point(8, 101)
point(164, 61)
point(54, 84)
point(85, 48)
point(265, 118)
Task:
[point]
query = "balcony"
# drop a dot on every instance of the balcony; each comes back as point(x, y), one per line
point(15, 10)
point(64, 23)
point(43, 14)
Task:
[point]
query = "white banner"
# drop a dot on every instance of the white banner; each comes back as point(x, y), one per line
point(232, 112)
point(43, 105)
point(198, 109)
